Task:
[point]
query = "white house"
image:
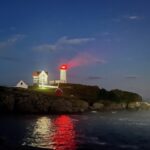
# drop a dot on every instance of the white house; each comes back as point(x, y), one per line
point(40, 77)
point(22, 84)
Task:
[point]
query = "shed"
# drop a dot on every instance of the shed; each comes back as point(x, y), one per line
point(22, 84)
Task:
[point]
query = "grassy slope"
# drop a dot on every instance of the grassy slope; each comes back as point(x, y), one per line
point(91, 94)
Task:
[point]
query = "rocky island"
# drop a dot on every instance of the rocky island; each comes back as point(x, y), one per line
point(76, 98)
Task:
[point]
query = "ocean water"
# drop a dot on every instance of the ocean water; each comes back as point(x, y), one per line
point(90, 131)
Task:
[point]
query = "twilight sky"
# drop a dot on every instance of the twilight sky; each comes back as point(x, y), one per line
point(105, 42)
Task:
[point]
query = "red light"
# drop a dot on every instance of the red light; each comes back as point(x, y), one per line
point(63, 67)
point(64, 136)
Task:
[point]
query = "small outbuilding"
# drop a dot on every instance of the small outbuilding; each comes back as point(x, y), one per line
point(22, 84)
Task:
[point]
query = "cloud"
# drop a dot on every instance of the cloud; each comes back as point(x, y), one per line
point(11, 59)
point(84, 59)
point(95, 78)
point(134, 17)
point(11, 41)
point(127, 18)
point(63, 43)
point(131, 77)
point(17, 59)
point(106, 33)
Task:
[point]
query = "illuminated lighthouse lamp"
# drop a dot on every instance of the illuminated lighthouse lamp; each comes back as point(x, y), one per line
point(63, 67)
point(63, 73)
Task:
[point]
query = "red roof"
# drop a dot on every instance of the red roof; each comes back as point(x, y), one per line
point(36, 73)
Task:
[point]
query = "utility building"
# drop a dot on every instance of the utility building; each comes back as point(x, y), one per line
point(22, 84)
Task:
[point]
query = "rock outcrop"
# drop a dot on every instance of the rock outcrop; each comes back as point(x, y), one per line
point(106, 106)
point(139, 106)
point(76, 98)
point(115, 106)
point(70, 106)
point(28, 101)
point(84, 92)
point(145, 106)
point(134, 105)
point(119, 96)
point(97, 106)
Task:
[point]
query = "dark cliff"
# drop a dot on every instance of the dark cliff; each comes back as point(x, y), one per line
point(76, 98)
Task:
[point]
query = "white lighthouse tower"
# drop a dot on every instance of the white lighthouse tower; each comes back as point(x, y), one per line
point(63, 73)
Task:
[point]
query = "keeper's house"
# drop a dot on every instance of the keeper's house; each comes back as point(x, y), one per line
point(40, 78)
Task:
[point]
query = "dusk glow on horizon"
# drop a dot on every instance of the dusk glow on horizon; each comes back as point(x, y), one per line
point(102, 42)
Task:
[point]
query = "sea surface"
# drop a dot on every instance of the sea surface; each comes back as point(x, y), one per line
point(90, 131)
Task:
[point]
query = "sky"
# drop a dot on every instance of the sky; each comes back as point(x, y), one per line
point(104, 42)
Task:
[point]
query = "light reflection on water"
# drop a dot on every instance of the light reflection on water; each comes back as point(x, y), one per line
point(58, 133)
point(91, 131)
point(64, 136)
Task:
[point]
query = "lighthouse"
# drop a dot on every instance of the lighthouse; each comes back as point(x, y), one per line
point(63, 73)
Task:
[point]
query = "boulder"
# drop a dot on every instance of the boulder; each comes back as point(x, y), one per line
point(68, 106)
point(97, 106)
point(134, 105)
point(109, 105)
point(61, 106)
point(115, 106)
point(145, 106)
point(79, 105)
